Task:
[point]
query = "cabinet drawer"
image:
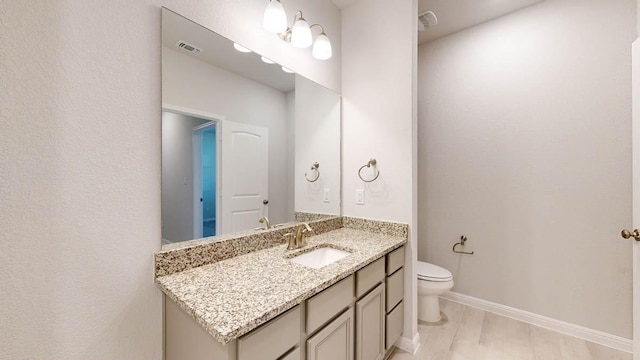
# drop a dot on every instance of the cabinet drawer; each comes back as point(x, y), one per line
point(395, 289)
point(273, 339)
point(395, 260)
point(294, 355)
point(394, 325)
point(327, 304)
point(369, 276)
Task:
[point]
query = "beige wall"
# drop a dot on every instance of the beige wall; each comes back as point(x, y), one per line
point(317, 139)
point(378, 119)
point(525, 147)
point(80, 166)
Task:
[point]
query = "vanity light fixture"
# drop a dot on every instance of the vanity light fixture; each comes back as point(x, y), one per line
point(322, 47)
point(241, 48)
point(299, 34)
point(275, 19)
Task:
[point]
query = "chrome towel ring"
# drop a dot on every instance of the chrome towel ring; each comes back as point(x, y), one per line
point(314, 167)
point(372, 162)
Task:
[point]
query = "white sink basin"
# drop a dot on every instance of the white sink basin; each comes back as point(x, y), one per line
point(320, 257)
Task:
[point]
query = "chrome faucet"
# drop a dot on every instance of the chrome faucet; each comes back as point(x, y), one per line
point(264, 220)
point(298, 239)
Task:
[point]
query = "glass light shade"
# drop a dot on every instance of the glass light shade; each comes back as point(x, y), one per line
point(322, 48)
point(241, 48)
point(287, 70)
point(267, 60)
point(275, 19)
point(301, 34)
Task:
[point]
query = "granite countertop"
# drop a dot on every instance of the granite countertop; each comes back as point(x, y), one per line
point(230, 298)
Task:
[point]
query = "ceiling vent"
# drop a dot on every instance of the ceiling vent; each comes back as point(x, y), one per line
point(427, 19)
point(188, 47)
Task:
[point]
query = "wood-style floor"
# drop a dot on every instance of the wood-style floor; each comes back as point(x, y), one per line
point(473, 334)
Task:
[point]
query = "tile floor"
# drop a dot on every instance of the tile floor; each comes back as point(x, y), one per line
point(473, 334)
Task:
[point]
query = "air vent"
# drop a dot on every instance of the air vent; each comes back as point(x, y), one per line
point(188, 47)
point(427, 19)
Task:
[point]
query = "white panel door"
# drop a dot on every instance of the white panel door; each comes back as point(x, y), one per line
point(636, 195)
point(244, 175)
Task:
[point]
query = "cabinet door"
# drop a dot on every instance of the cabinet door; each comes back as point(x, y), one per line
point(370, 330)
point(334, 341)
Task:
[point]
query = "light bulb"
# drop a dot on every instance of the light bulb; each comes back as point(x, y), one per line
point(275, 19)
point(241, 48)
point(301, 34)
point(287, 70)
point(322, 47)
point(268, 61)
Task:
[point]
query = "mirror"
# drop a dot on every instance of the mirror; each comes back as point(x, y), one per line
point(241, 138)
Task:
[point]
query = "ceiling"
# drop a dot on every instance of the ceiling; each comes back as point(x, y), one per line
point(456, 15)
point(453, 16)
point(341, 4)
point(218, 51)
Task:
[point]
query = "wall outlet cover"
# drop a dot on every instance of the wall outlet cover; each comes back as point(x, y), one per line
point(359, 197)
point(325, 196)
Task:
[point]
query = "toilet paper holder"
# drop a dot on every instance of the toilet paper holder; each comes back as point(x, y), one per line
point(463, 239)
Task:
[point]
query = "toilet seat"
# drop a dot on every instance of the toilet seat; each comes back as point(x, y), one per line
point(430, 272)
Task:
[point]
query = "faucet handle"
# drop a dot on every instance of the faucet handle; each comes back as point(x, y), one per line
point(306, 226)
point(303, 230)
point(291, 241)
point(265, 220)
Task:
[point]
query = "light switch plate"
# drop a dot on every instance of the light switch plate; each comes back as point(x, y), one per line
point(359, 197)
point(326, 195)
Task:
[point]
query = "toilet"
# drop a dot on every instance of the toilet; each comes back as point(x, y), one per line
point(432, 282)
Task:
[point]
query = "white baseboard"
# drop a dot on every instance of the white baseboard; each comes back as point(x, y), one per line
point(598, 337)
point(409, 345)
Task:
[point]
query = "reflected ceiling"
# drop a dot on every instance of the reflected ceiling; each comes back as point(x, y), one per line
point(215, 51)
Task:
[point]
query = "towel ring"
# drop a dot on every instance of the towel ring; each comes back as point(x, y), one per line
point(315, 167)
point(372, 162)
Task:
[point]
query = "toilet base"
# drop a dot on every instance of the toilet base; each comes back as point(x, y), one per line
point(429, 308)
point(443, 320)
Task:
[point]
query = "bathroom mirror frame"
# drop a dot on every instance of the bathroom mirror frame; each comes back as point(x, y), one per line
point(305, 128)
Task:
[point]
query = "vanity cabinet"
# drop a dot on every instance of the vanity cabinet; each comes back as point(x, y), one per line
point(358, 318)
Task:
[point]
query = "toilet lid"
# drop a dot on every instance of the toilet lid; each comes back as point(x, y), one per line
point(432, 272)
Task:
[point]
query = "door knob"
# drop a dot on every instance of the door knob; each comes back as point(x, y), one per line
point(265, 202)
point(627, 234)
